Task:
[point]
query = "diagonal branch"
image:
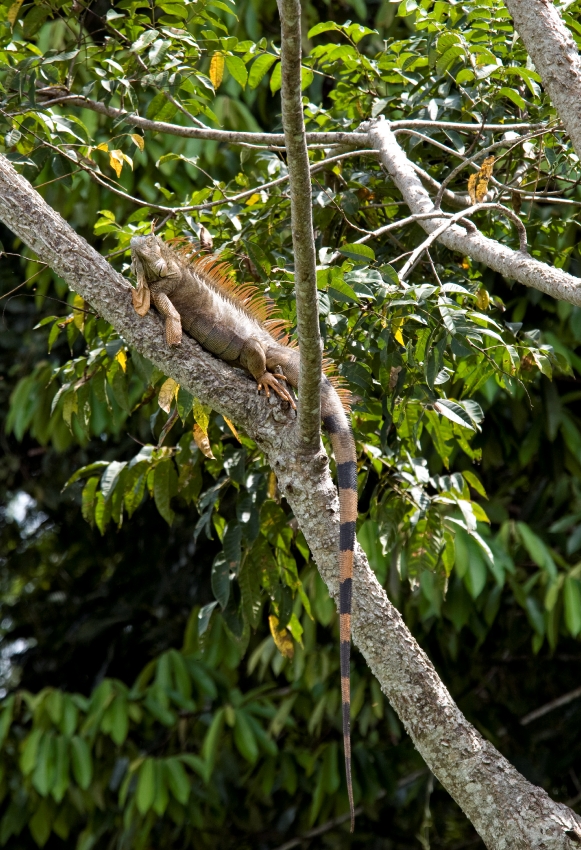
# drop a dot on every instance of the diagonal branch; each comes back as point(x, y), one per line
point(302, 226)
point(512, 264)
point(504, 807)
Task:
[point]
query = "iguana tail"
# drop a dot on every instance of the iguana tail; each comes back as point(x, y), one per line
point(339, 429)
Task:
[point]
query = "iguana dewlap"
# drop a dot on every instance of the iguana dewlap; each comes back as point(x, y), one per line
point(233, 323)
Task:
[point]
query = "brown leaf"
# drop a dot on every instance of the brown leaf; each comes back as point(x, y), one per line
point(232, 428)
point(478, 183)
point(168, 390)
point(206, 241)
point(202, 442)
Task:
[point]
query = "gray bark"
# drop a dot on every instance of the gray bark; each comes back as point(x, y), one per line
point(305, 260)
point(507, 811)
point(555, 56)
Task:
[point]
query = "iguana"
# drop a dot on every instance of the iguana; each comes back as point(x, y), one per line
point(235, 322)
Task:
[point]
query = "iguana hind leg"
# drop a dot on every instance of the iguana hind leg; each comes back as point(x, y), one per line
point(253, 358)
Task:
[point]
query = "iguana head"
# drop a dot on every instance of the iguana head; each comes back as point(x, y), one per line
point(147, 264)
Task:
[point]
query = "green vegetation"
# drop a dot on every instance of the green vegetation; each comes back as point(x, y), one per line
point(168, 650)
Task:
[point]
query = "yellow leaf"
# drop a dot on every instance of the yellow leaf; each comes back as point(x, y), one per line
point(202, 441)
point(281, 638)
point(121, 358)
point(202, 415)
point(217, 69)
point(253, 199)
point(232, 428)
point(102, 147)
point(482, 299)
point(116, 162)
point(168, 390)
point(272, 486)
point(397, 325)
point(79, 312)
point(465, 263)
point(138, 140)
point(13, 12)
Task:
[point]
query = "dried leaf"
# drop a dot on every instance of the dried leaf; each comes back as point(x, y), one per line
point(232, 428)
point(116, 162)
point(516, 202)
point(13, 12)
point(478, 183)
point(217, 69)
point(202, 441)
point(206, 241)
point(393, 376)
point(168, 390)
point(281, 638)
point(138, 140)
point(272, 486)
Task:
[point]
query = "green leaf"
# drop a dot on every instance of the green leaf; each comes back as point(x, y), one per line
point(359, 253)
point(244, 737)
point(86, 470)
point(572, 599)
point(537, 549)
point(164, 487)
point(220, 579)
point(41, 822)
point(145, 793)
point(454, 412)
point(61, 773)
point(43, 776)
point(276, 78)
point(30, 749)
point(237, 68)
point(212, 739)
point(259, 68)
point(177, 779)
point(82, 762)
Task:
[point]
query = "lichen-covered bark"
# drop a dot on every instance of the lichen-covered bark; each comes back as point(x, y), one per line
point(507, 811)
point(555, 56)
point(302, 226)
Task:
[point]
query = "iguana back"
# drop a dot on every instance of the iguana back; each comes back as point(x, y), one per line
point(235, 323)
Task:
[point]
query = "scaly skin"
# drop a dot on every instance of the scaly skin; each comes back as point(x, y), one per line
point(196, 297)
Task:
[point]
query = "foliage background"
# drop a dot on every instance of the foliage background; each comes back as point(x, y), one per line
point(128, 719)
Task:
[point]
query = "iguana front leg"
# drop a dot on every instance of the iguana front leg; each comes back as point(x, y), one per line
point(173, 322)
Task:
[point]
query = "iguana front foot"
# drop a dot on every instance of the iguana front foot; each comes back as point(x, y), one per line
point(270, 380)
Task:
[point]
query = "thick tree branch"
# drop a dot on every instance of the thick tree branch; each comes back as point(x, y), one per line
point(507, 811)
point(302, 226)
point(555, 56)
point(512, 264)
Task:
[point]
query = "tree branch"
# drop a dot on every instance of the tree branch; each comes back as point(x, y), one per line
point(302, 226)
point(230, 137)
point(507, 811)
point(555, 56)
point(512, 264)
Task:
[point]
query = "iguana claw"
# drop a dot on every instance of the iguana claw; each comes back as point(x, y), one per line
point(270, 380)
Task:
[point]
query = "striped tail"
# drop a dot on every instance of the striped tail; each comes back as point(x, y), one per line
point(339, 430)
